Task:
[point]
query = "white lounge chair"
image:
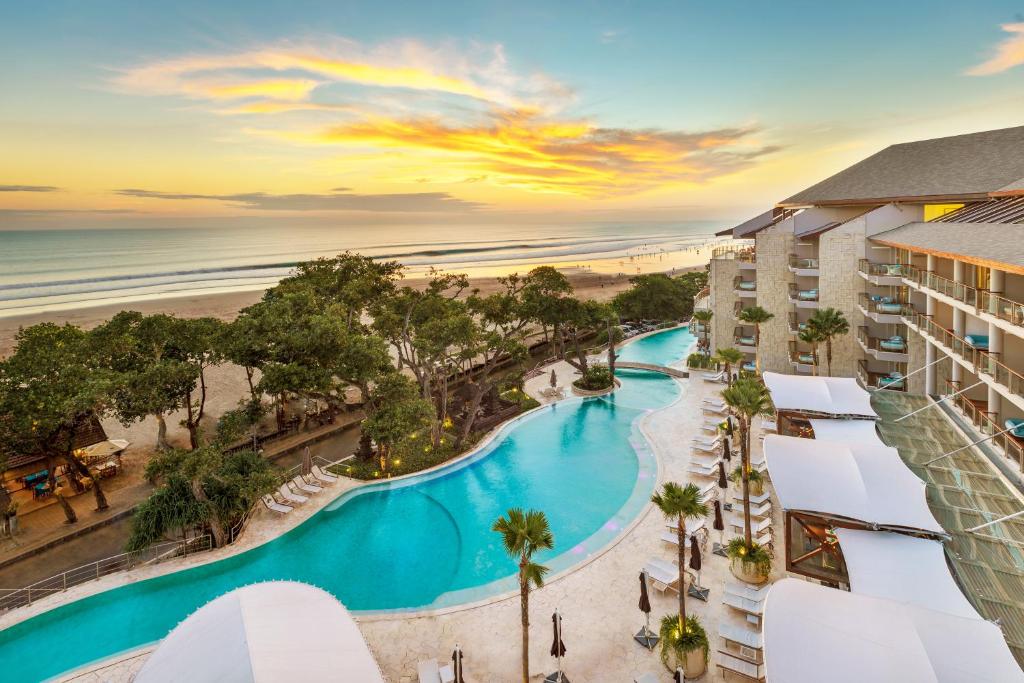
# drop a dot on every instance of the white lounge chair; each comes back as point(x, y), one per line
point(703, 471)
point(745, 590)
point(708, 491)
point(757, 528)
point(430, 672)
point(290, 495)
point(711, 448)
point(741, 667)
point(304, 486)
point(325, 477)
point(663, 575)
point(713, 377)
point(742, 604)
point(754, 500)
point(716, 402)
point(757, 512)
point(692, 527)
point(272, 504)
point(707, 440)
point(741, 636)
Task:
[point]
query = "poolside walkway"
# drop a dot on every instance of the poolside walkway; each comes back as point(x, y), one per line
point(598, 600)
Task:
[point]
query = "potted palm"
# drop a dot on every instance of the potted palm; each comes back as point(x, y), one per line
point(523, 533)
point(754, 478)
point(683, 640)
point(747, 398)
point(752, 564)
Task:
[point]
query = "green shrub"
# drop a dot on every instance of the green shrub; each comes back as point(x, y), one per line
point(525, 401)
point(596, 378)
point(700, 361)
point(601, 338)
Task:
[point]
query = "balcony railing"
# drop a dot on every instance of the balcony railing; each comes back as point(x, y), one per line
point(735, 251)
point(797, 294)
point(987, 423)
point(802, 357)
point(883, 380)
point(1001, 307)
point(896, 344)
point(797, 262)
point(981, 300)
point(740, 338)
point(983, 361)
point(884, 305)
point(880, 269)
point(741, 285)
point(795, 326)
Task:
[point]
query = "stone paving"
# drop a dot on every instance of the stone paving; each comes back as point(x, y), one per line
point(598, 600)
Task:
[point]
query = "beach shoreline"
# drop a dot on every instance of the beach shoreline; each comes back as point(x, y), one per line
point(226, 305)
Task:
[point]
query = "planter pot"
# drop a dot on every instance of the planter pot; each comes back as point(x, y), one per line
point(747, 572)
point(694, 665)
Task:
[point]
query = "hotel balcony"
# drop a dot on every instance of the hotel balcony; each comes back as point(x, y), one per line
point(737, 308)
point(795, 326)
point(744, 288)
point(803, 298)
point(986, 422)
point(702, 301)
point(989, 306)
point(892, 380)
point(883, 309)
point(803, 266)
point(892, 349)
point(803, 362)
point(987, 365)
point(744, 255)
point(743, 341)
point(881, 273)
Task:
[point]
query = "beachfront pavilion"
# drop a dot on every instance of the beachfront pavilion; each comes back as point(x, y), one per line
point(911, 515)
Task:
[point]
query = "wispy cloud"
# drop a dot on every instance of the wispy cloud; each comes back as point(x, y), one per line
point(526, 151)
point(29, 188)
point(1008, 53)
point(338, 199)
point(610, 36)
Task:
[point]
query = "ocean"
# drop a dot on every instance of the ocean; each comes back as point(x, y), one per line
point(47, 270)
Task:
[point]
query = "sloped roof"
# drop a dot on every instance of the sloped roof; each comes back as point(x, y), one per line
point(962, 166)
point(986, 244)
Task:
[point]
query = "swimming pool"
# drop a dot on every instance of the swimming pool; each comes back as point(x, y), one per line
point(422, 542)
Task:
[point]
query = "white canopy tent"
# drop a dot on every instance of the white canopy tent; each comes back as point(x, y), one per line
point(819, 395)
point(813, 633)
point(902, 568)
point(275, 631)
point(853, 432)
point(868, 483)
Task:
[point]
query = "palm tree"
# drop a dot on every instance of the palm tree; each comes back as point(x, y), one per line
point(680, 503)
point(523, 533)
point(703, 316)
point(746, 398)
point(756, 316)
point(829, 324)
point(728, 357)
point(810, 335)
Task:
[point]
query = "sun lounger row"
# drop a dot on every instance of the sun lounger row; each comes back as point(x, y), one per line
point(291, 492)
point(758, 528)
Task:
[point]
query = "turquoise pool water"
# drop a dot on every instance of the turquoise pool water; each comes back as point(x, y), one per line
point(419, 543)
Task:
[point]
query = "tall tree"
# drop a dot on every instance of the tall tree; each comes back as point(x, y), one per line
point(756, 316)
point(703, 316)
point(828, 323)
point(655, 296)
point(501, 322)
point(730, 358)
point(51, 388)
point(400, 411)
point(524, 533)
point(746, 399)
point(545, 292)
point(197, 343)
point(679, 504)
point(145, 350)
point(581, 318)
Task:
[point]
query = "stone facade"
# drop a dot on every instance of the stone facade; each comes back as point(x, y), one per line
point(773, 277)
point(839, 285)
point(723, 299)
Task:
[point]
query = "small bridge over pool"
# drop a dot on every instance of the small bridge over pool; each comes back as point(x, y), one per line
point(673, 372)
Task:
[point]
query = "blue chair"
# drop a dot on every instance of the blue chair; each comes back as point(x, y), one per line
point(808, 295)
point(978, 341)
point(893, 379)
point(1017, 425)
point(893, 343)
point(750, 366)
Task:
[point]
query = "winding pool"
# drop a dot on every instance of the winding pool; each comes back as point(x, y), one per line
point(418, 543)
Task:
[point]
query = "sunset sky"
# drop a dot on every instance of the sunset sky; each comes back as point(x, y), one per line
point(180, 113)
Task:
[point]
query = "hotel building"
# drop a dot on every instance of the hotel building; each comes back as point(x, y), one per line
point(921, 247)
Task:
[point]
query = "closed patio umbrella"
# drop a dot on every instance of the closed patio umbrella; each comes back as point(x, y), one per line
point(696, 590)
point(720, 527)
point(307, 462)
point(557, 649)
point(554, 379)
point(726, 453)
point(645, 636)
point(457, 664)
point(678, 676)
point(723, 483)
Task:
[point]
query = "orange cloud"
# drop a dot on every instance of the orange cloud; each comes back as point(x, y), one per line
point(1009, 53)
point(525, 151)
point(290, 90)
